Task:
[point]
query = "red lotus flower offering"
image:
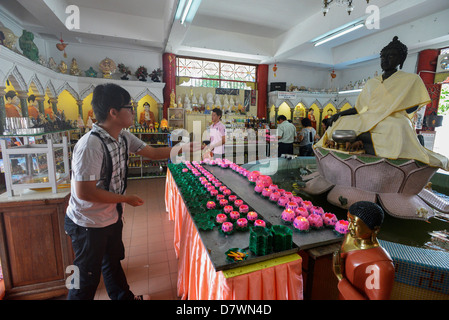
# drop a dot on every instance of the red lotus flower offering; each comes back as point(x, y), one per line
point(235, 215)
point(329, 219)
point(228, 209)
point(259, 223)
point(341, 227)
point(210, 188)
point(227, 226)
point(288, 215)
point(220, 197)
point(223, 202)
point(210, 205)
point(238, 203)
point(266, 192)
point(232, 197)
point(242, 223)
point(252, 216)
point(243, 208)
point(213, 192)
point(226, 192)
point(221, 218)
point(258, 188)
point(222, 188)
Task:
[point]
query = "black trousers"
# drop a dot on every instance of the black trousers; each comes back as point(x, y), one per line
point(306, 151)
point(98, 251)
point(285, 148)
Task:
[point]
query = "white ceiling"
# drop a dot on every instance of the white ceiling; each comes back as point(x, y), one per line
point(251, 31)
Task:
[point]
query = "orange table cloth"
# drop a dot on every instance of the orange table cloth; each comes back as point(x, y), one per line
point(197, 278)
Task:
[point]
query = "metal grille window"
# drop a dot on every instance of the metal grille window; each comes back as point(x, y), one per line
point(215, 74)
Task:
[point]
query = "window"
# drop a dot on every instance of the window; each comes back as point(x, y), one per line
point(215, 74)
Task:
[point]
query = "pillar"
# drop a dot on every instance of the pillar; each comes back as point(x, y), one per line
point(40, 102)
point(23, 96)
point(54, 104)
point(79, 103)
point(169, 77)
point(2, 109)
point(262, 90)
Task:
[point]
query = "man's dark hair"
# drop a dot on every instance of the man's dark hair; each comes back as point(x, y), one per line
point(10, 94)
point(369, 212)
point(32, 98)
point(282, 117)
point(306, 122)
point(106, 97)
point(218, 112)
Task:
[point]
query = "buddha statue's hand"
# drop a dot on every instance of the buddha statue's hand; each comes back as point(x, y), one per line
point(336, 265)
point(337, 116)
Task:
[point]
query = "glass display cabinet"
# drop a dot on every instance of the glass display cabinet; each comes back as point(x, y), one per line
point(36, 161)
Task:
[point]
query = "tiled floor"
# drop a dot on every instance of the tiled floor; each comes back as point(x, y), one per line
point(150, 262)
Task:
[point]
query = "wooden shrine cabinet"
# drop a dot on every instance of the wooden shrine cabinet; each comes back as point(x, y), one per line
point(34, 249)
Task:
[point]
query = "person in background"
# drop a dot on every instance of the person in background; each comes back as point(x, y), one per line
point(306, 138)
point(33, 112)
point(98, 183)
point(12, 105)
point(286, 135)
point(217, 136)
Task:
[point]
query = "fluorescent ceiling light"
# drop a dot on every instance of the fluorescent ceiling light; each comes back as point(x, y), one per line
point(350, 91)
point(186, 10)
point(339, 33)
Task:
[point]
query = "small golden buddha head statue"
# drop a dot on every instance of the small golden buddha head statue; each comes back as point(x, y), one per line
point(365, 219)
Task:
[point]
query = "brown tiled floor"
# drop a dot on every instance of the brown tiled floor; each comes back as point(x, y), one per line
point(150, 262)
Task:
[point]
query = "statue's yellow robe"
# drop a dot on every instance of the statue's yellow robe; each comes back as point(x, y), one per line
point(381, 108)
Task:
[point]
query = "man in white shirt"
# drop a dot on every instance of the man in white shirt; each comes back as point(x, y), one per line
point(286, 136)
point(217, 135)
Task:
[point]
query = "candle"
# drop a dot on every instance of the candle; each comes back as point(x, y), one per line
point(301, 211)
point(235, 215)
point(213, 192)
point(289, 195)
point(226, 192)
point(232, 197)
point(220, 197)
point(258, 188)
point(282, 201)
point(251, 216)
point(315, 220)
point(275, 196)
point(228, 209)
point(238, 203)
point(242, 223)
point(223, 202)
point(227, 226)
point(342, 226)
point(243, 208)
point(259, 223)
point(273, 187)
point(329, 219)
point(291, 205)
point(301, 223)
point(221, 217)
point(266, 192)
point(288, 215)
point(210, 205)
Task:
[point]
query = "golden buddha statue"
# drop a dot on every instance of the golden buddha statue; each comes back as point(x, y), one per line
point(363, 268)
point(62, 67)
point(74, 69)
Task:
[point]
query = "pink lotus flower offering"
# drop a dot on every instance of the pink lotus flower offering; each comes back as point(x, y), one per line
point(315, 221)
point(266, 192)
point(217, 184)
point(273, 187)
point(341, 226)
point(210, 205)
point(227, 192)
point(289, 195)
point(275, 196)
point(258, 188)
point(259, 223)
point(329, 219)
point(282, 201)
point(291, 205)
point(243, 208)
point(228, 209)
point(252, 176)
point(297, 199)
point(242, 223)
point(220, 197)
point(301, 211)
point(227, 226)
point(184, 170)
point(210, 188)
point(301, 224)
point(238, 203)
point(222, 188)
point(252, 216)
point(223, 202)
point(288, 215)
point(264, 180)
point(234, 215)
point(232, 197)
point(281, 191)
point(220, 218)
point(317, 210)
point(213, 192)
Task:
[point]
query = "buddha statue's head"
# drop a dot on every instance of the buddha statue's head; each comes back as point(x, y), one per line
point(365, 219)
point(393, 55)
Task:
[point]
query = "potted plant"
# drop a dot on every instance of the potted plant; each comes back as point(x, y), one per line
point(124, 70)
point(141, 73)
point(156, 74)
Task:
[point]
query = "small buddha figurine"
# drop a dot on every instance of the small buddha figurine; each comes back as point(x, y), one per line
point(62, 67)
point(74, 69)
point(147, 117)
point(172, 98)
point(363, 268)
